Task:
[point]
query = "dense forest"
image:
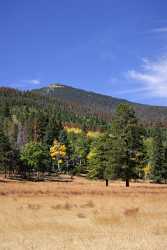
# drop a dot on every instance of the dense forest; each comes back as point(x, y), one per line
point(60, 129)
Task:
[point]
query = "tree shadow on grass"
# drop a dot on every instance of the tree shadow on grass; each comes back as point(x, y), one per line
point(4, 181)
point(46, 178)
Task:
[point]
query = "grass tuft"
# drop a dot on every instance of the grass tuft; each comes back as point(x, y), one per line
point(131, 211)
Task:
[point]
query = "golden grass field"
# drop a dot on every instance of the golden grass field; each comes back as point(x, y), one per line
point(83, 215)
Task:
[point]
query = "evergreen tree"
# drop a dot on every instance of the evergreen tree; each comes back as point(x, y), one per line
point(128, 142)
point(62, 138)
point(6, 110)
point(159, 168)
point(52, 130)
point(5, 152)
point(39, 123)
point(100, 164)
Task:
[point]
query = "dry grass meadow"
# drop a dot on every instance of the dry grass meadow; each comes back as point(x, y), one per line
point(83, 215)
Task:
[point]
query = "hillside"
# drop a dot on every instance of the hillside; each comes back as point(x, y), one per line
point(101, 105)
point(73, 107)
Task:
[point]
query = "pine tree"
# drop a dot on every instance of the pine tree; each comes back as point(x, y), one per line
point(100, 163)
point(127, 142)
point(39, 126)
point(5, 152)
point(159, 167)
point(52, 130)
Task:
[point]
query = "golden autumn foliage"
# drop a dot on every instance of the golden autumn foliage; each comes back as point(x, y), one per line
point(57, 150)
point(91, 154)
point(73, 130)
point(93, 134)
point(147, 170)
point(90, 134)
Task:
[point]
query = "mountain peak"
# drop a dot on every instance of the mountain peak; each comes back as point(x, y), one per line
point(56, 85)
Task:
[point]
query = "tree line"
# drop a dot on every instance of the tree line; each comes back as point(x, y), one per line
point(36, 142)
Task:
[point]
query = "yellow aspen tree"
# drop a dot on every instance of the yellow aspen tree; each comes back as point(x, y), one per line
point(58, 152)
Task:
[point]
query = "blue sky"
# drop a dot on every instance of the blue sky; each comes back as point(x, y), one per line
point(113, 47)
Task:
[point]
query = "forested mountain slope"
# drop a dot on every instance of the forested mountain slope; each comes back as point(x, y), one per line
point(73, 106)
point(100, 105)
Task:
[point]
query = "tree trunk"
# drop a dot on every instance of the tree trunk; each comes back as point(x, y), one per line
point(106, 182)
point(38, 175)
point(67, 167)
point(58, 166)
point(5, 172)
point(127, 182)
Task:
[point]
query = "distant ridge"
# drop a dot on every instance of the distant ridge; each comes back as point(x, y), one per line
point(101, 104)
